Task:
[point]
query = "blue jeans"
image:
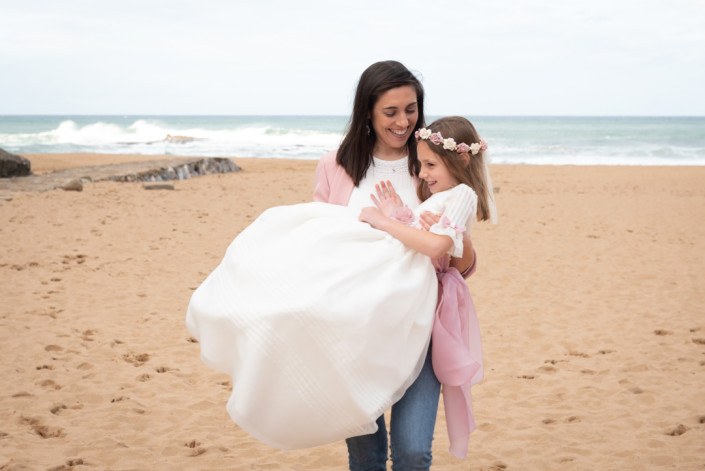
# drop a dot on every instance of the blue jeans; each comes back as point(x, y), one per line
point(411, 429)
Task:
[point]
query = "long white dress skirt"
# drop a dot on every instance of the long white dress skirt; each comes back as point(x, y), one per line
point(322, 321)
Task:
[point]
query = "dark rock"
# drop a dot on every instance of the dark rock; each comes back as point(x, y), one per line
point(158, 186)
point(12, 165)
point(74, 185)
point(184, 171)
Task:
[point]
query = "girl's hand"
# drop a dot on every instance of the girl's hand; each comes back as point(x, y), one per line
point(387, 199)
point(373, 216)
point(428, 219)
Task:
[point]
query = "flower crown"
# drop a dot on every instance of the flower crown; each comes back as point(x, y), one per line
point(449, 143)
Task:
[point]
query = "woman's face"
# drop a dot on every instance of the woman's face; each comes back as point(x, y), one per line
point(393, 119)
point(434, 170)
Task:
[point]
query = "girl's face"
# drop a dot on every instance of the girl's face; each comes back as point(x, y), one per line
point(393, 119)
point(433, 171)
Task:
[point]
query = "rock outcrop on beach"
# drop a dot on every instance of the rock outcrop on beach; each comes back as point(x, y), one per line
point(186, 170)
point(178, 168)
point(12, 165)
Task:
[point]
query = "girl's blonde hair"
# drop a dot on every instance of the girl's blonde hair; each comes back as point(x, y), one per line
point(467, 168)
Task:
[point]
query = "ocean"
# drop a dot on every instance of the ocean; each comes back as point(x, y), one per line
point(512, 140)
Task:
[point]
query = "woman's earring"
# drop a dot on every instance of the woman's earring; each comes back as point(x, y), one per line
point(367, 126)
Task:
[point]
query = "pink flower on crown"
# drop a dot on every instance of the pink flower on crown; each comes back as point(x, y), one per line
point(463, 148)
point(483, 145)
point(436, 138)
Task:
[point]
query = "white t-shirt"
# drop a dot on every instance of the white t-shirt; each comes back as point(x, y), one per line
point(396, 171)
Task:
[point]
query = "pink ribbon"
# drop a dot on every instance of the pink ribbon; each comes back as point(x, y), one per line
point(457, 356)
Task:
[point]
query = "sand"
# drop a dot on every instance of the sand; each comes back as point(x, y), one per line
point(589, 294)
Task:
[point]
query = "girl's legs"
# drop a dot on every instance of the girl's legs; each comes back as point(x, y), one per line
point(413, 422)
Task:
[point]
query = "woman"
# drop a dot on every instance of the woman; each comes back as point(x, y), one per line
point(380, 145)
point(321, 347)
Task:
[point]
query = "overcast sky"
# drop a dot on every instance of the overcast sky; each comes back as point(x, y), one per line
point(488, 57)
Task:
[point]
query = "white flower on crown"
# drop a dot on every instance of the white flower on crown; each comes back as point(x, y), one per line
point(475, 148)
point(424, 133)
point(449, 143)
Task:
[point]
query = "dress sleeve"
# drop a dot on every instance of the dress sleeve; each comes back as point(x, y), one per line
point(459, 210)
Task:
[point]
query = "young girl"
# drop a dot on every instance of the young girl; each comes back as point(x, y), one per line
point(455, 183)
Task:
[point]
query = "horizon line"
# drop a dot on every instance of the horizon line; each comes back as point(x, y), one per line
point(283, 115)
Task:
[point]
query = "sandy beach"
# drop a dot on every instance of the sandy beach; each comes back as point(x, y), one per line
point(589, 294)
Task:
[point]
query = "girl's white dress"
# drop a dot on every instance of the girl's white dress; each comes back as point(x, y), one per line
point(321, 320)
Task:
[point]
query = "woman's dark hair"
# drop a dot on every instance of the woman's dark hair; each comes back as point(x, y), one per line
point(355, 151)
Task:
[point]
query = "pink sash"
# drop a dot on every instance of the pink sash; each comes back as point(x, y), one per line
point(457, 356)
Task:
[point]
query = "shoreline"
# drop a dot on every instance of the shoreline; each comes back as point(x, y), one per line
point(49, 162)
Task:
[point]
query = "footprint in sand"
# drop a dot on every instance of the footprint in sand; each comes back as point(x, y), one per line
point(191, 340)
point(548, 369)
point(50, 384)
point(143, 378)
point(662, 332)
point(44, 367)
point(137, 359)
point(53, 348)
point(677, 431)
point(42, 430)
point(575, 353)
point(69, 465)
point(79, 259)
point(119, 399)
point(498, 466)
point(56, 410)
point(571, 419)
point(699, 341)
point(163, 369)
point(22, 394)
point(87, 335)
point(526, 377)
point(194, 448)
